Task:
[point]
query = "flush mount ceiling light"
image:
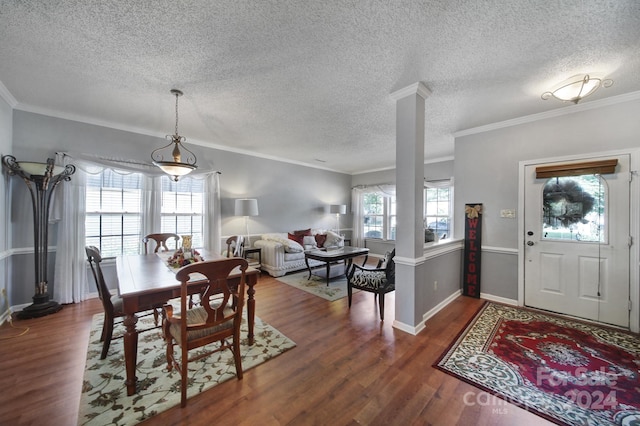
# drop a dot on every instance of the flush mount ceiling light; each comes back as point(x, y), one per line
point(176, 167)
point(576, 88)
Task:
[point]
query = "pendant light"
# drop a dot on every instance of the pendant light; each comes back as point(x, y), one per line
point(175, 159)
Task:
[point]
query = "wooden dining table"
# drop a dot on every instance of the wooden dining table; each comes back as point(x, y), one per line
point(146, 281)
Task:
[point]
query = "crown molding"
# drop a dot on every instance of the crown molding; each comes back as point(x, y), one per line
point(417, 88)
point(145, 132)
point(7, 96)
point(570, 109)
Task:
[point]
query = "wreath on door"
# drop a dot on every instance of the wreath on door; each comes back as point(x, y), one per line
point(565, 202)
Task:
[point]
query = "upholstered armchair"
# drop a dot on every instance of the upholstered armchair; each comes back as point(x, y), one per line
point(379, 281)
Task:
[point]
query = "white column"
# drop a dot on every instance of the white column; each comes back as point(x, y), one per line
point(410, 119)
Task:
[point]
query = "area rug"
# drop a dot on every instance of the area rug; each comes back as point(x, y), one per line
point(569, 372)
point(337, 288)
point(104, 397)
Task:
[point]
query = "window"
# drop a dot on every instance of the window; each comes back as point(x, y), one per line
point(379, 216)
point(113, 212)
point(574, 208)
point(437, 208)
point(182, 208)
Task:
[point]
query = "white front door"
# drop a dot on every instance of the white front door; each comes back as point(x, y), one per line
point(577, 244)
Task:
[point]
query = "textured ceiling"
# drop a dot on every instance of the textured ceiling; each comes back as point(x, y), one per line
point(309, 81)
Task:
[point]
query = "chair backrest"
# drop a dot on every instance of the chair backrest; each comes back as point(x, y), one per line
point(95, 258)
point(161, 241)
point(235, 246)
point(390, 267)
point(217, 273)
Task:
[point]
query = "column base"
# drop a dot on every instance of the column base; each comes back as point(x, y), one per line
point(41, 306)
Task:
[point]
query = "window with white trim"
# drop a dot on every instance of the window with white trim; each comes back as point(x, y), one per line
point(379, 216)
point(183, 207)
point(438, 208)
point(113, 212)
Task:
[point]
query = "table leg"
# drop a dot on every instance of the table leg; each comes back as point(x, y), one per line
point(251, 311)
point(306, 260)
point(328, 272)
point(131, 352)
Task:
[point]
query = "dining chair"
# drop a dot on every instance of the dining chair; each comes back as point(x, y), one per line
point(161, 241)
point(216, 319)
point(112, 304)
point(235, 245)
point(379, 280)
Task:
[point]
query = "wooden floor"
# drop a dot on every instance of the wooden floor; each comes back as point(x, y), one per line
point(347, 368)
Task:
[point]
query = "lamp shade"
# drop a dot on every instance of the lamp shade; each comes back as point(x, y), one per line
point(338, 209)
point(246, 207)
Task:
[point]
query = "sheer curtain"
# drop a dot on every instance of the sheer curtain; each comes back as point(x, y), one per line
point(213, 219)
point(70, 276)
point(71, 283)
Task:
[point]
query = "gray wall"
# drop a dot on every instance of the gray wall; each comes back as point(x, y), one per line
point(289, 196)
point(486, 171)
point(6, 135)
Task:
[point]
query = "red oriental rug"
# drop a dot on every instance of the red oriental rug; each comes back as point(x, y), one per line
point(567, 371)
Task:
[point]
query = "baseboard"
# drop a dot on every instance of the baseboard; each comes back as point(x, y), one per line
point(422, 324)
point(503, 300)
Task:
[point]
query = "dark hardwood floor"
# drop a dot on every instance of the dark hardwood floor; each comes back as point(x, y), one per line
point(347, 368)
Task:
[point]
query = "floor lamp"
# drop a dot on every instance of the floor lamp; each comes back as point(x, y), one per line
point(338, 209)
point(247, 207)
point(41, 179)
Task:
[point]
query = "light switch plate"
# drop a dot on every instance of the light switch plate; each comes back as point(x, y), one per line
point(508, 213)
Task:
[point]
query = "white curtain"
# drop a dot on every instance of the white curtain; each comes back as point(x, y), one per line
point(71, 283)
point(70, 276)
point(213, 219)
point(151, 205)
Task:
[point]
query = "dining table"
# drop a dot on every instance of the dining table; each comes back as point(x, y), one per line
point(146, 281)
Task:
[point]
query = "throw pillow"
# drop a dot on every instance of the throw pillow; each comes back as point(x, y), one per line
point(302, 232)
point(333, 239)
point(297, 238)
point(309, 242)
point(320, 239)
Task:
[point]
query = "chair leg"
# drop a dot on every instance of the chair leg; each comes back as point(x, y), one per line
point(155, 316)
point(237, 358)
point(349, 292)
point(381, 302)
point(184, 377)
point(108, 332)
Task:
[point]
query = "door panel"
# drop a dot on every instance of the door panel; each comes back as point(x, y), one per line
point(576, 245)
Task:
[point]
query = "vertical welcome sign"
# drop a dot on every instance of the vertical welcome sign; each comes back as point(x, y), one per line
point(472, 250)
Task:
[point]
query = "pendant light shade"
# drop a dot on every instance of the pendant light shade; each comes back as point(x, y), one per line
point(175, 159)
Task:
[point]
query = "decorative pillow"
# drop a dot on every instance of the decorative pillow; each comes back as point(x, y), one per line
point(297, 238)
point(290, 246)
point(302, 232)
point(309, 242)
point(333, 239)
point(320, 239)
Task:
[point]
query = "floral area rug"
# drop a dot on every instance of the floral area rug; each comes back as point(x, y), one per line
point(337, 288)
point(568, 372)
point(104, 397)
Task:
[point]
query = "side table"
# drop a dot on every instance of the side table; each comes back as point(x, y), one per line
point(250, 250)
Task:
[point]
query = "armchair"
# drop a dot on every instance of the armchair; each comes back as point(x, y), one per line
point(379, 281)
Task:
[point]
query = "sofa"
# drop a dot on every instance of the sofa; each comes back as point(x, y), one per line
point(284, 252)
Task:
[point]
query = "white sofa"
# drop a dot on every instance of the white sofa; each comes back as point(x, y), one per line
point(281, 255)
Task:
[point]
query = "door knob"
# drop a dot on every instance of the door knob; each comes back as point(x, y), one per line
point(529, 243)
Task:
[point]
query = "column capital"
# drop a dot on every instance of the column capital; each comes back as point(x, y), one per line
point(417, 88)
